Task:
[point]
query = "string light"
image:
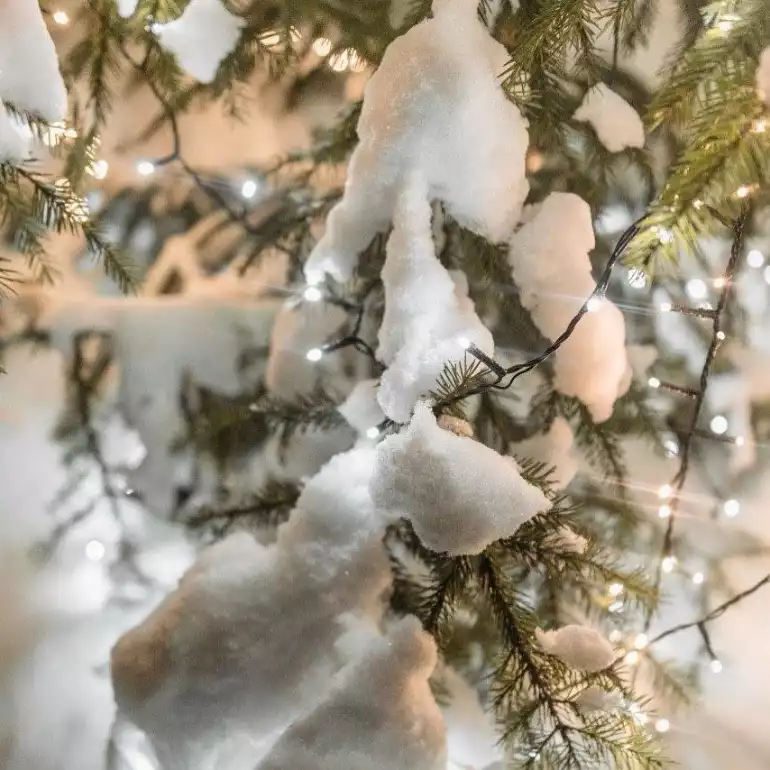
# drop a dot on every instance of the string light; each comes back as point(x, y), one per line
point(95, 550)
point(740, 441)
point(145, 168)
point(720, 336)
point(671, 446)
point(312, 294)
point(314, 354)
point(339, 61)
point(716, 666)
point(653, 382)
point(637, 279)
point(759, 126)
point(372, 432)
point(632, 658)
point(322, 46)
point(593, 304)
point(718, 424)
point(662, 725)
point(641, 641)
point(615, 589)
point(61, 18)
point(249, 188)
point(98, 169)
point(668, 564)
point(664, 492)
point(615, 607)
point(665, 307)
point(616, 635)
point(731, 507)
point(743, 191)
point(696, 288)
point(698, 578)
point(755, 258)
point(720, 283)
point(664, 511)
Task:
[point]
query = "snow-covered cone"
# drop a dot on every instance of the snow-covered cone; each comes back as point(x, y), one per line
point(578, 646)
point(459, 494)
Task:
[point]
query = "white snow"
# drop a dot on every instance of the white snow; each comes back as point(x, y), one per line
point(459, 494)
point(382, 714)
point(578, 646)
point(428, 317)
point(29, 69)
point(554, 448)
point(14, 147)
point(550, 264)
point(201, 38)
point(361, 408)
point(616, 122)
point(763, 76)
point(126, 8)
point(433, 107)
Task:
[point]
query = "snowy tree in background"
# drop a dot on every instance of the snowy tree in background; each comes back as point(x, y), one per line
point(388, 384)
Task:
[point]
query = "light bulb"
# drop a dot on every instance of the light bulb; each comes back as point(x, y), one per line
point(696, 288)
point(755, 258)
point(322, 46)
point(664, 491)
point(720, 335)
point(671, 446)
point(312, 294)
point(662, 725)
point(743, 191)
point(665, 307)
point(718, 424)
point(664, 511)
point(61, 17)
point(145, 168)
point(616, 606)
point(637, 279)
point(740, 441)
point(95, 550)
point(720, 283)
point(249, 188)
point(668, 564)
point(372, 432)
point(632, 658)
point(731, 507)
point(641, 641)
point(698, 578)
point(653, 382)
point(615, 589)
point(593, 304)
point(314, 354)
point(716, 666)
point(99, 169)
point(616, 635)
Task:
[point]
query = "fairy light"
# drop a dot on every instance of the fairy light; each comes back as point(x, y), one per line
point(696, 288)
point(718, 424)
point(664, 491)
point(637, 279)
point(616, 635)
point(731, 507)
point(755, 258)
point(664, 511)
point(641, 641)
point(653, 382)
point(698, 578)
point(314, 354)
point(322, 46)
point(372, 432)
point(249, 188)
point(759, 126)
point(720, 283)
point(740, 441)
point(270, 39)
point(593, 304)
point(95, 550)
point(743, 191)
point(98, 169)
point(671, 447)
point(716, 666)
point(668, 564)
point(145, 168)
point(720, 335)
point(615, 589)
point(339, 61)
point(615, 607)
point(356, 62)
point(632, 657)
point(312, 294)
point(665, 307)
point(662, 725)
point(61, 18)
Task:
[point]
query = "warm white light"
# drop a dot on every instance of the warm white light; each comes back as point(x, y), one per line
point(718, 424)
point(615, 589)
point(671, 447)
point(372, 432)
point(665, 307)
point(61, 17)
point(632, 658)
point(593, 304)
point(463, 342)
point(95, 550)
point(664, 511)
point(616, 606)
point(664, 492)
point(731, 507)
point(641, 641)
point(740, 441)
point(339, 61)
point(662, 725)
point(668, 564)
point(312, 294)
point(99, 169)
point(665, 236)
point(357, 63)
point(249, 188)
point(270, 38)
point(743, 191)
point(322, 46)
point(653, 382)
point(720, 283)
point(637, 279)
point(716, 666)
point(616, 635)
point(698, 578)
point(720, 336)
point(696, 288)
point(145, 168)
point(314, 354)
point(755, 258)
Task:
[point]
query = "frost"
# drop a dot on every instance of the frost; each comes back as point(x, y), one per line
point(14, 147)
point(429, 319)
point(554, 449)
point(616, 122)
point(223, 666)
point(30, 79)
point(459, 494)
point(381, 716)
point(763, 76)
point(550, 264)
point(201, 38)
point(578, 646)
point(360, 408)
point(433, 107)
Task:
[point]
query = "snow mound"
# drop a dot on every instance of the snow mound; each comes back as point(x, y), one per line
point(616, 122)
point(578, 646)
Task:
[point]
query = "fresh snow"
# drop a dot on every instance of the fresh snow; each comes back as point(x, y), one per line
point(360, 408)
point(434, 107)
point(553, 448)
point(578, 646)
point(616, 122)
point(459, 494)
point(550, 265)
point(201, 38)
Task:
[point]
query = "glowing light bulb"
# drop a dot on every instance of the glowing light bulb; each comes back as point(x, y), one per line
point(372, 432)
point(145, 168)
point(616, 635)
point(60, 17)
point(671, 446)
point(740, 441)
point(720, 336)
point(615, 589)
point(716, 666)
point(322, 46)
point(632, 658)
point(616, 606)
point(312, 294)
point(641, 641)
point(665, 307)
point(698, 578)
point(637, 279)
point(696, 288)
point(731, 507)
point(99, 169)
point(755, 258)
point(665, 236)
point(664, 492)
point(314, 354)
point(593, 304)
point(249, 188)
point(662, 725)
point(95, 550)
point(743, 191)
point(664, 511)
point(720, 283)
point(668, 564)
point(718, 424)
point(653, 382)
